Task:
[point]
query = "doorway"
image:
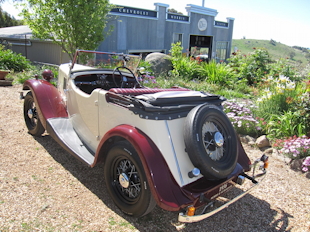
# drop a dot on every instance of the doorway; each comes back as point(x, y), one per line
point(201, 46)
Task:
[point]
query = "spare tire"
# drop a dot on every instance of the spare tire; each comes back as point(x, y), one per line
point(210, 141)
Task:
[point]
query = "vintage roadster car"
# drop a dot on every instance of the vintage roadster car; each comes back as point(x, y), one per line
point(172, 147)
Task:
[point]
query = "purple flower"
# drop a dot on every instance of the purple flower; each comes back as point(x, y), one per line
point(306, 161)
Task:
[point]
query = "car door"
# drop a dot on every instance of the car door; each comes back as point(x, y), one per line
point(83, 111)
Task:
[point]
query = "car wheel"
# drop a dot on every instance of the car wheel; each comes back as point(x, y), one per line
point(32, 120)
point(210, 141)
point(126, 180)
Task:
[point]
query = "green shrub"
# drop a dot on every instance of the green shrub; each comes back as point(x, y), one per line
point(276, 97)
point(21, 77)
point(285, 125)
point(252, 67)
point(216, 73)
point(12, 61)
point(183, 66)
point(285, 107)
point(281, 67)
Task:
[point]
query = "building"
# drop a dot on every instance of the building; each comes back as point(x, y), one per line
point(144, 31)
point(139, 31)
point(19, 39)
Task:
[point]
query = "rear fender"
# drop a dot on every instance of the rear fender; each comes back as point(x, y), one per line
point(47, 98)
point(243, 158)
point(165, 190)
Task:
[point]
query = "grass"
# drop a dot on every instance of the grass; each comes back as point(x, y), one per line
point(276, 50)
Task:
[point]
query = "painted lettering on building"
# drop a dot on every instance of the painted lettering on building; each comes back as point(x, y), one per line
point(177, 17)
point(134, 11)
point(220, 24)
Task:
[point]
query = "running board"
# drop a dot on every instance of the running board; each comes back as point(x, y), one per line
point(62, 131)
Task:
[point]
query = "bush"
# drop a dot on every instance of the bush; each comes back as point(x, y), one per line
point(21, 77)
point(276, 96)
point(216, 73)
point(12, 61)
point(285, 107)
point(252, 67)
point(241, 117)
point(187, 69)
point(190, 68)
point(281, 67)
point(285, 125)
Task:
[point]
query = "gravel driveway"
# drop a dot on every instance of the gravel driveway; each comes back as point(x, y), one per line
point(43, 188)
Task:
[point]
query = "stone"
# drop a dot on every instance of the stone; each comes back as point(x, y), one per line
point(269, 151)
point(262, 141)
point(160, 63)
point(296, 164)
point(250, 139)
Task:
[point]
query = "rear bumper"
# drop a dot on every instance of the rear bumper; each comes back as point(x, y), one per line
point(183, 217)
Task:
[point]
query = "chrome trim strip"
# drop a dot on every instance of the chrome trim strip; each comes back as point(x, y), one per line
point(174, 154)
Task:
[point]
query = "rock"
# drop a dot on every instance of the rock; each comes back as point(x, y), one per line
point(250, 139)
point(247, 139)
point(243, 139)
point(160, 63)
point(296, 164)
point(251, 143)
point(269, 151)
point(262, 141)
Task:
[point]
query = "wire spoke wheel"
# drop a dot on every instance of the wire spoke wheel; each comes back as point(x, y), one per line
point(213, 141)
point(126, 180)
point(210, 141)
point(31, 116)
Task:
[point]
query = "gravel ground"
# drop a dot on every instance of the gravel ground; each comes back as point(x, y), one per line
point(43, 188)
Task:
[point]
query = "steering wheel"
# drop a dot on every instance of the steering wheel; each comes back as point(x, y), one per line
point(124, 80)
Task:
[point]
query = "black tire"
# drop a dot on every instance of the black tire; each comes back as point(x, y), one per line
point(31, 116)
point(210, 141)
point(126, 180)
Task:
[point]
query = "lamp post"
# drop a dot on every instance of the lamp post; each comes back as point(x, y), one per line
point(203, 3)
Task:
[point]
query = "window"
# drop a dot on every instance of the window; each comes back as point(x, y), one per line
point(177, 38)
point(221, 50)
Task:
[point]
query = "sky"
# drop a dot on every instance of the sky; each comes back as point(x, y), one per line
point(285, 21)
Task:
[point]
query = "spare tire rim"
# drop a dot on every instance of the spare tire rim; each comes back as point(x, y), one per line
point(213, 141)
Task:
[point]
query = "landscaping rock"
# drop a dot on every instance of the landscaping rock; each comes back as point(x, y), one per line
point(269, 151)
point(160, 63)
point(247, 139)
point(296, 164)
point(262, 141)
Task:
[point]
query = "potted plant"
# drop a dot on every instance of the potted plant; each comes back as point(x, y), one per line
point(3, 71)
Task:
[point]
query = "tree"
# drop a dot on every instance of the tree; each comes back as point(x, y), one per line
point(7, 20)
point(72, 24)
point(292, 54)
point(172, 10)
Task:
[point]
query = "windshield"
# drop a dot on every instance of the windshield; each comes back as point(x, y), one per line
point(106, 59)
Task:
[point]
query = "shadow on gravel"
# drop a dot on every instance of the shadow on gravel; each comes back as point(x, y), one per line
point(247, 214)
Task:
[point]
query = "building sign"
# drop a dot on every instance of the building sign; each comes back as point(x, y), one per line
point(178, 17)
point(202, 24)
point(220, 24)
point(134, 11)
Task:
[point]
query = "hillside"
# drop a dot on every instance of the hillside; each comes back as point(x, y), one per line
point(276, 50)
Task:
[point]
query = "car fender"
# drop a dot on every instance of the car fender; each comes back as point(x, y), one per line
point(47, 98)
point(164, 188)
